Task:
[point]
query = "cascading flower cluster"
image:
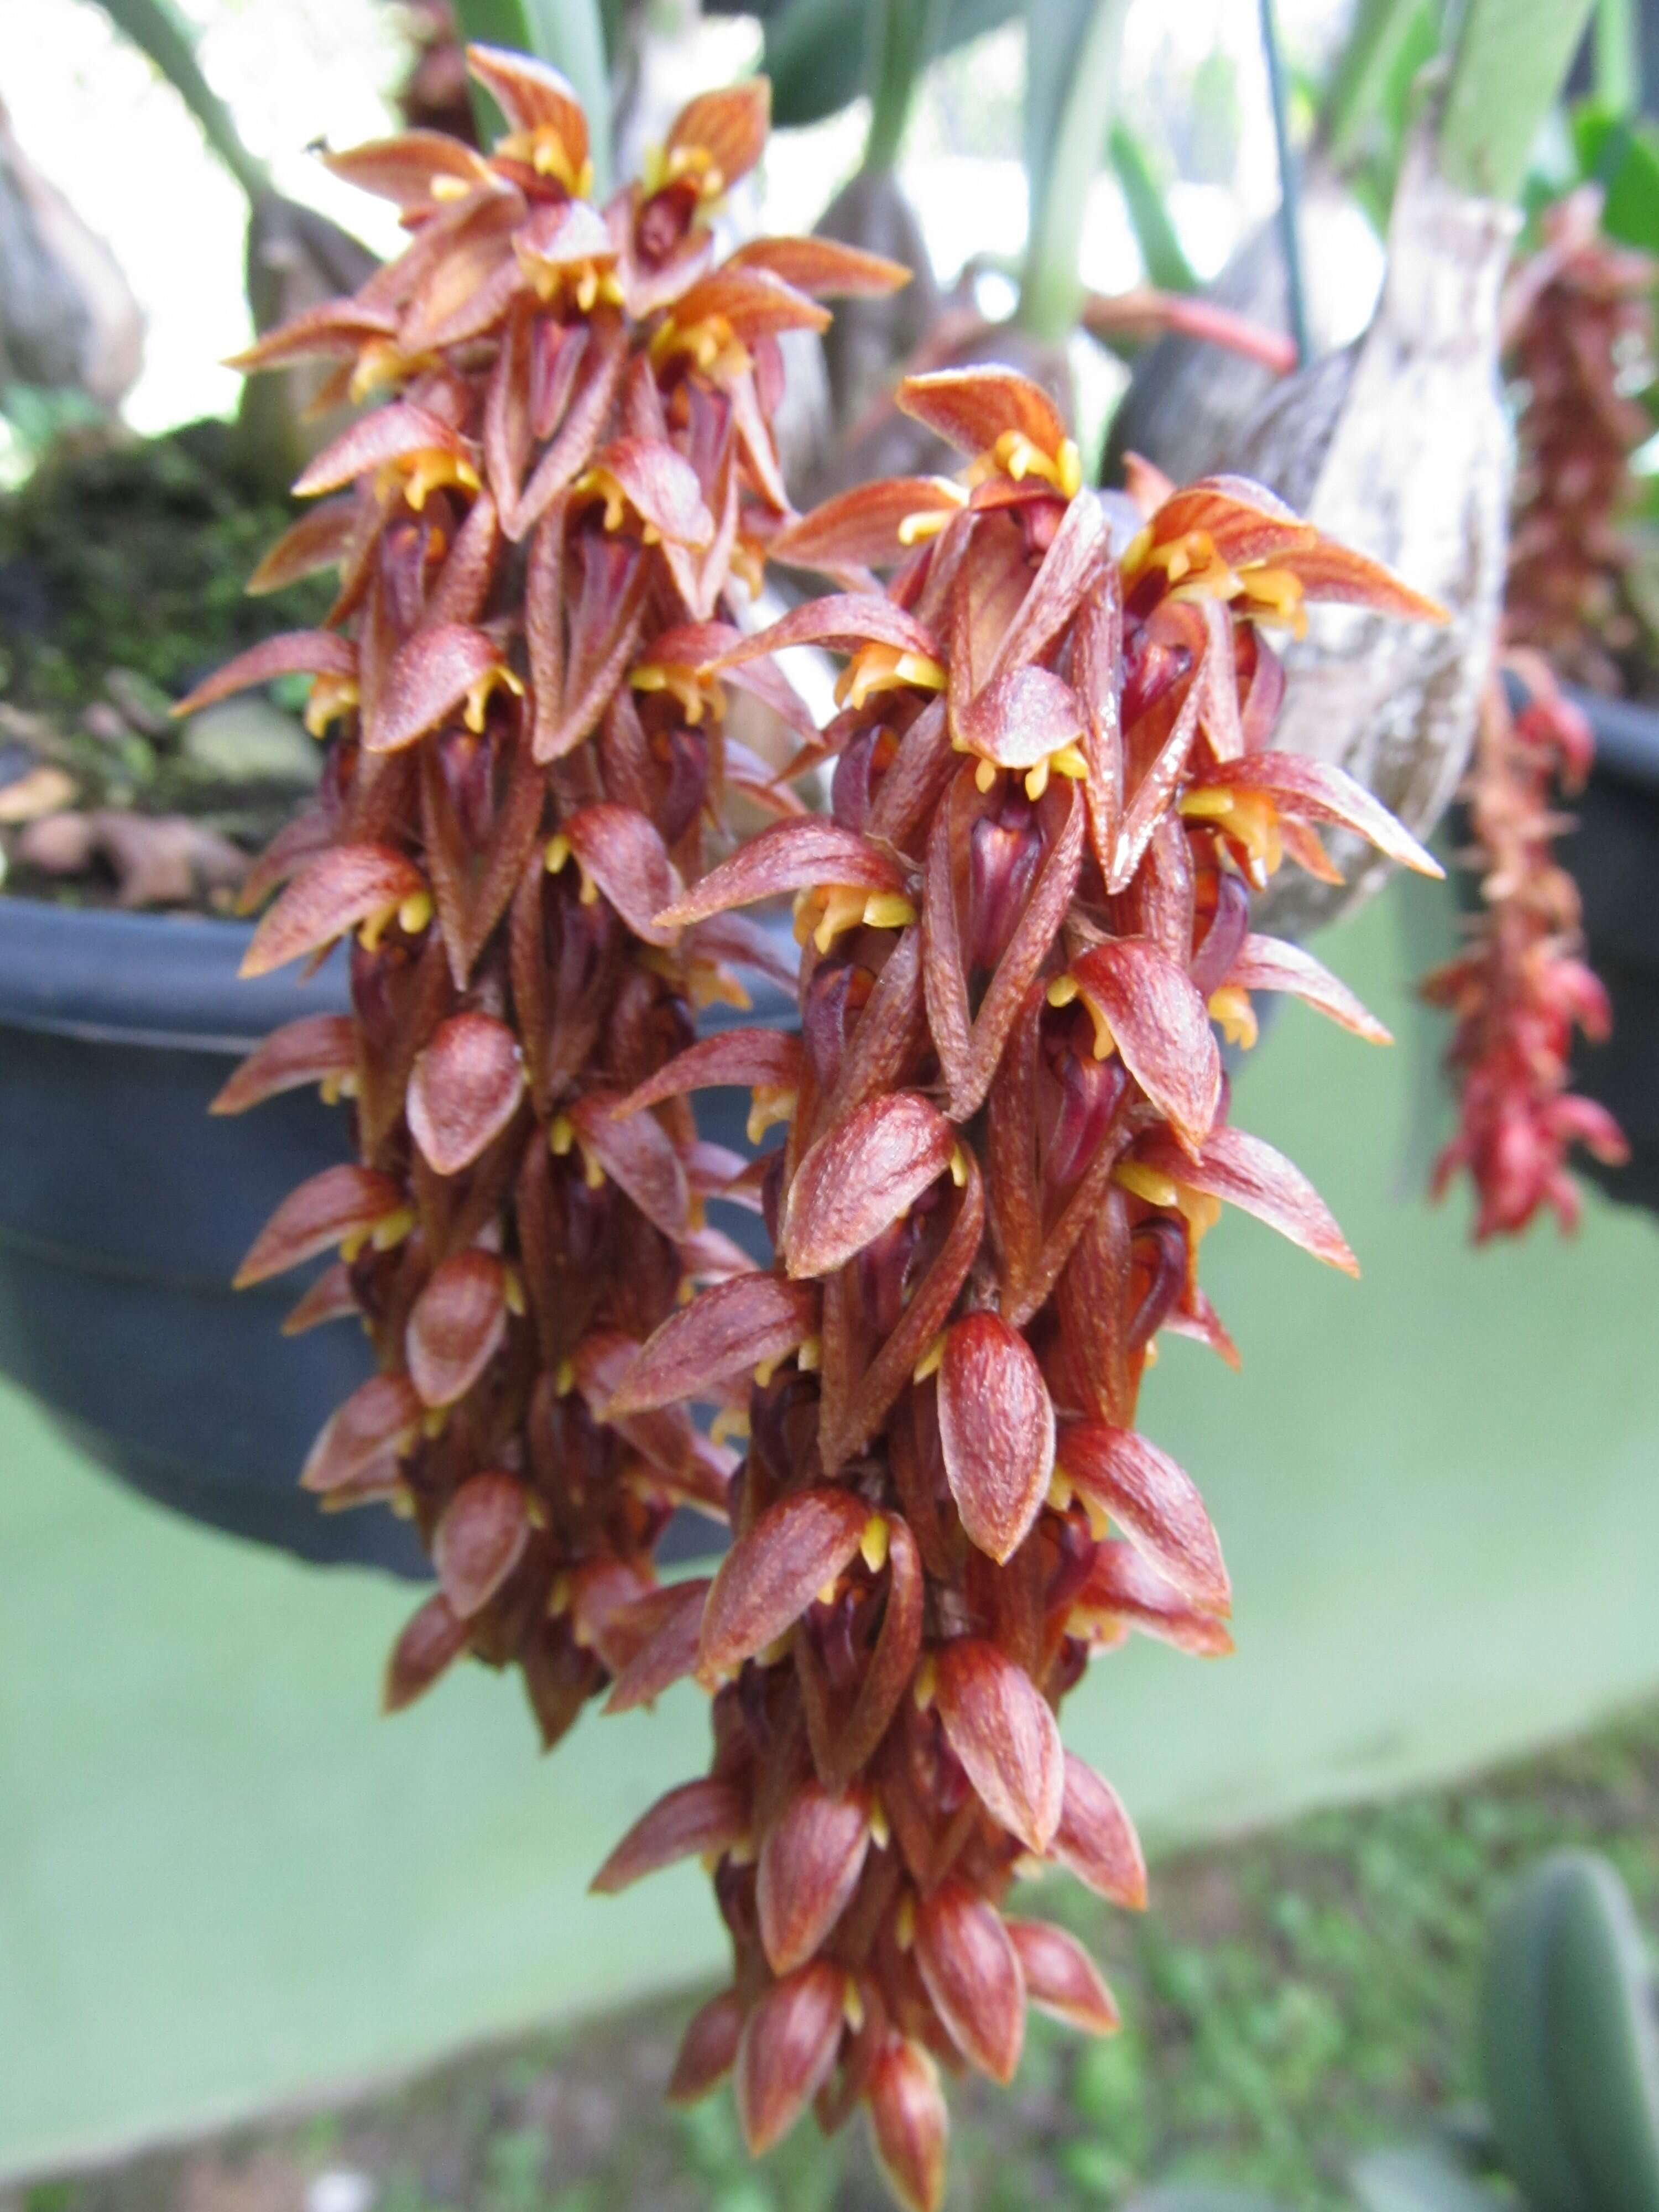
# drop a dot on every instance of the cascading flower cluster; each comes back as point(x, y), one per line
point(1578, 321)
point(537, 536)
point(1577, 309)
point(1054, 791)
point(1520, 987)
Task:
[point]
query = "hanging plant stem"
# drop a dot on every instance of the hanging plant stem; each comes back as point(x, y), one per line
point(1618, 57)
point(1290, 227)
point(159, 31)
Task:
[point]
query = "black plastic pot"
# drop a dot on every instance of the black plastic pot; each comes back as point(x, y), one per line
point(1614, 855)
point(124, 1208)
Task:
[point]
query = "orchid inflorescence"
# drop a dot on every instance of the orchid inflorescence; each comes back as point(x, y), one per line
point(1520, 987)
point(1052, 796)
point(538, 537)
point(1007, 1122)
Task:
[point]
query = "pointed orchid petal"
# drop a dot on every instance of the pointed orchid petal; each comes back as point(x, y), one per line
point(378, 1417)
point(480, 1540)
point(405, 168)
point(1315, 790)
point(335, 327)
point(823, 268)
point(724, 1331)
point(532, 95)
point(330, 895)
point(1157, 1505)
point(1096, 1838)
point(319, 1049)
point(745, 1059)
point(387, 433)
point(730, 125)
point(1161, 1026)
point(1000, 1726)
point(456, 1326)
point(668, 1654)
point(1267, 963)
point(464, 1089)
point(708, 2048)
point(861, 1177)
point(1250, 1175)
point(772, 1574)
point(433, 1639)
point(1124, 1588)
point(1245, 522)
point(1061, 1979)
point(790, 856)
point(910, 2123)
point(1020, 718)
point(997, 1426)
point(321, 539)
point(756, 303)
point(705, 1815)
point(430, 678)
point(662, 487)
point(971, 1970)
point(889, 1671)
point(327, 1208)
point(624, 854)
point(846, 622)
point(637, 1154)
point(331, 1298)
point(810, 1865)
point(1328, 571)
point(789, 2045)
point(862, 528)
point(294, 653)
point(972, 408)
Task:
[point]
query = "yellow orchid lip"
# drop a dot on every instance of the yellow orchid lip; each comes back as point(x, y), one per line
point(544, 149)
point(886, 668)
point(665, 165)
point(1250, 817)
point(1018, 457)
point(824, 911)
point(414, 477)
point(696, 695)
point(331, 696)
point(588, 283)
point(710, 344)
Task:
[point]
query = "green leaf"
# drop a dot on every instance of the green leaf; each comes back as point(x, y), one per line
point(1604, 2035)
point(1417, 2178)
point(815, 51)
point(1514, 2044)
point(1073, 48)
point(1622, 156)
point(1167, 266)
point(1511, 60)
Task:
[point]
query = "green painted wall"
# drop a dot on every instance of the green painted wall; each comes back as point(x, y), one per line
point(223, 1882)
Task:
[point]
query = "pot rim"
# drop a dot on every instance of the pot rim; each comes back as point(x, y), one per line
point(169, 982)
point(1626, 737)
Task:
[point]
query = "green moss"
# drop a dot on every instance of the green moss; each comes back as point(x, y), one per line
point(135, 554)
